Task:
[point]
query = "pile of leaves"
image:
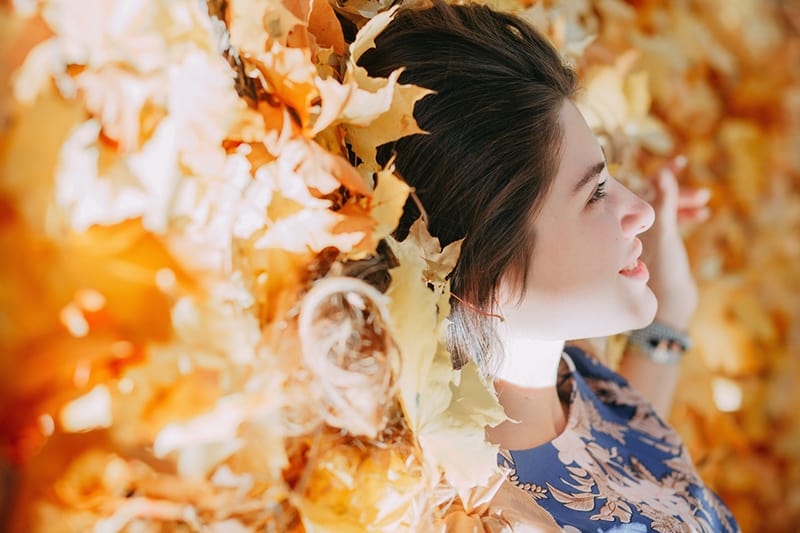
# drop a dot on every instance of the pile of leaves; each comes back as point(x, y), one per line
point(189, 197)
point(183, 344)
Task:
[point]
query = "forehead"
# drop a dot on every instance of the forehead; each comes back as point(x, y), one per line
point(580, 149)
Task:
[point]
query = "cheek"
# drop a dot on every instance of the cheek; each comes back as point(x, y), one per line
point(578, 260)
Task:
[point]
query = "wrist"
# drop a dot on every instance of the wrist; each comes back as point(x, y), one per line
point(677, 311)
point(661, 343)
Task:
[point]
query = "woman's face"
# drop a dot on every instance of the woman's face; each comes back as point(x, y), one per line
point(580, 284)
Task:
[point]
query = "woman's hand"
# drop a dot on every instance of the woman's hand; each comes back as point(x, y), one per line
point(664, 252)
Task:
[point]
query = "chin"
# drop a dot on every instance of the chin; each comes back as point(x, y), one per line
point(639, 314)
point(647, 313)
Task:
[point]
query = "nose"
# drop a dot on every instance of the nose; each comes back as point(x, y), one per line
point(637, 217)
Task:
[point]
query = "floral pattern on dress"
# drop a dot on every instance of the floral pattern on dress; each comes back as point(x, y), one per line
point(616, 462)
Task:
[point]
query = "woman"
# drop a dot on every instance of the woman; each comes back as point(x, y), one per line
point(551, 252)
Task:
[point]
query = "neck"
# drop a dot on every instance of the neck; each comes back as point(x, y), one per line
point(530, 363)
point(526, 388)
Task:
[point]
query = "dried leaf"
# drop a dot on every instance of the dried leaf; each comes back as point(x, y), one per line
point(443, 406)
point(388, 199)
point(395, 123)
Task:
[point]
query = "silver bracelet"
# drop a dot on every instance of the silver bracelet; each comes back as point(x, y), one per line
point(661, 343)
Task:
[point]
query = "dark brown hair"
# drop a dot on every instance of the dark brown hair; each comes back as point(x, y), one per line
point(492, 148)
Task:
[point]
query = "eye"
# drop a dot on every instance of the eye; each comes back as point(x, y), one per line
point(599, 193)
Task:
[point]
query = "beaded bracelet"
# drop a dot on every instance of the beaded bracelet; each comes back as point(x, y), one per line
point(661, 343)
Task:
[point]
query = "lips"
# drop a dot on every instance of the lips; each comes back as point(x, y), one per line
point(635, 269)
point(639, 272)
point(631, 266)
point(633, 262)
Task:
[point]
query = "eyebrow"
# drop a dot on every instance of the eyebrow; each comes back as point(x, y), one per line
point(591, 173)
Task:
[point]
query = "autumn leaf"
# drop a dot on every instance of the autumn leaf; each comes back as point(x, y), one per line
point(347, 491)
point(388, 200)
point(30, 154)
point(374, 110)
point(617, 100)
point(417, 332)
point(442, 405)
point(398, 121)
point(454, 439)
point(254, 24)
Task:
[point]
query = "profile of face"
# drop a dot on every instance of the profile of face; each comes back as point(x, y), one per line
point(580, 281)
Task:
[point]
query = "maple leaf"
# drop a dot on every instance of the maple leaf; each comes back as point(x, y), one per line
point(325, 27)
point(443, 406)
point(319, 26)
point(454, 439)
point(359, 99)
point(95, 185)
point(388, 200)
point(203, 118)
point(289, 74)
point(416, 332)
point(120, 100)
point(253, 24)
point(374, 110)
point(361, 11)
point(287, 215)
point(398, 121)
point(347, 489)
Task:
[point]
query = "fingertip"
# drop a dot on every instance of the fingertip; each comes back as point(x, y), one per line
point(667, 180)
point(680, 161)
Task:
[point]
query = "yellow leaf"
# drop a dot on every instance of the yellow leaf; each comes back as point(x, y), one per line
point(395, 123)
point(603, 103)
point(90, 411)
point(361, 11)
point(252, 23)
point(362, 488)
point(118, 97)
point(442, 405)
point(29, 152)
point(365, 39)
point(357, 101)
point(415, 326)
point(308, 230)
point(290, 75)
point(388, 199)
point(376, 111)
point(323, 24)
point(438, 262)
point(454, 440)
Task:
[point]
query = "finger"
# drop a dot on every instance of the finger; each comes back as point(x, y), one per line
point(678, 163)
point(655, 191)
point(668, 190)
point(693, 215)
point(689, 197)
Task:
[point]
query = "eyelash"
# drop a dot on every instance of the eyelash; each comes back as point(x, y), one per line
point(599, 193)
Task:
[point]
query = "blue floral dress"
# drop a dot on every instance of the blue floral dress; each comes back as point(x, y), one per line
point(617, 467)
